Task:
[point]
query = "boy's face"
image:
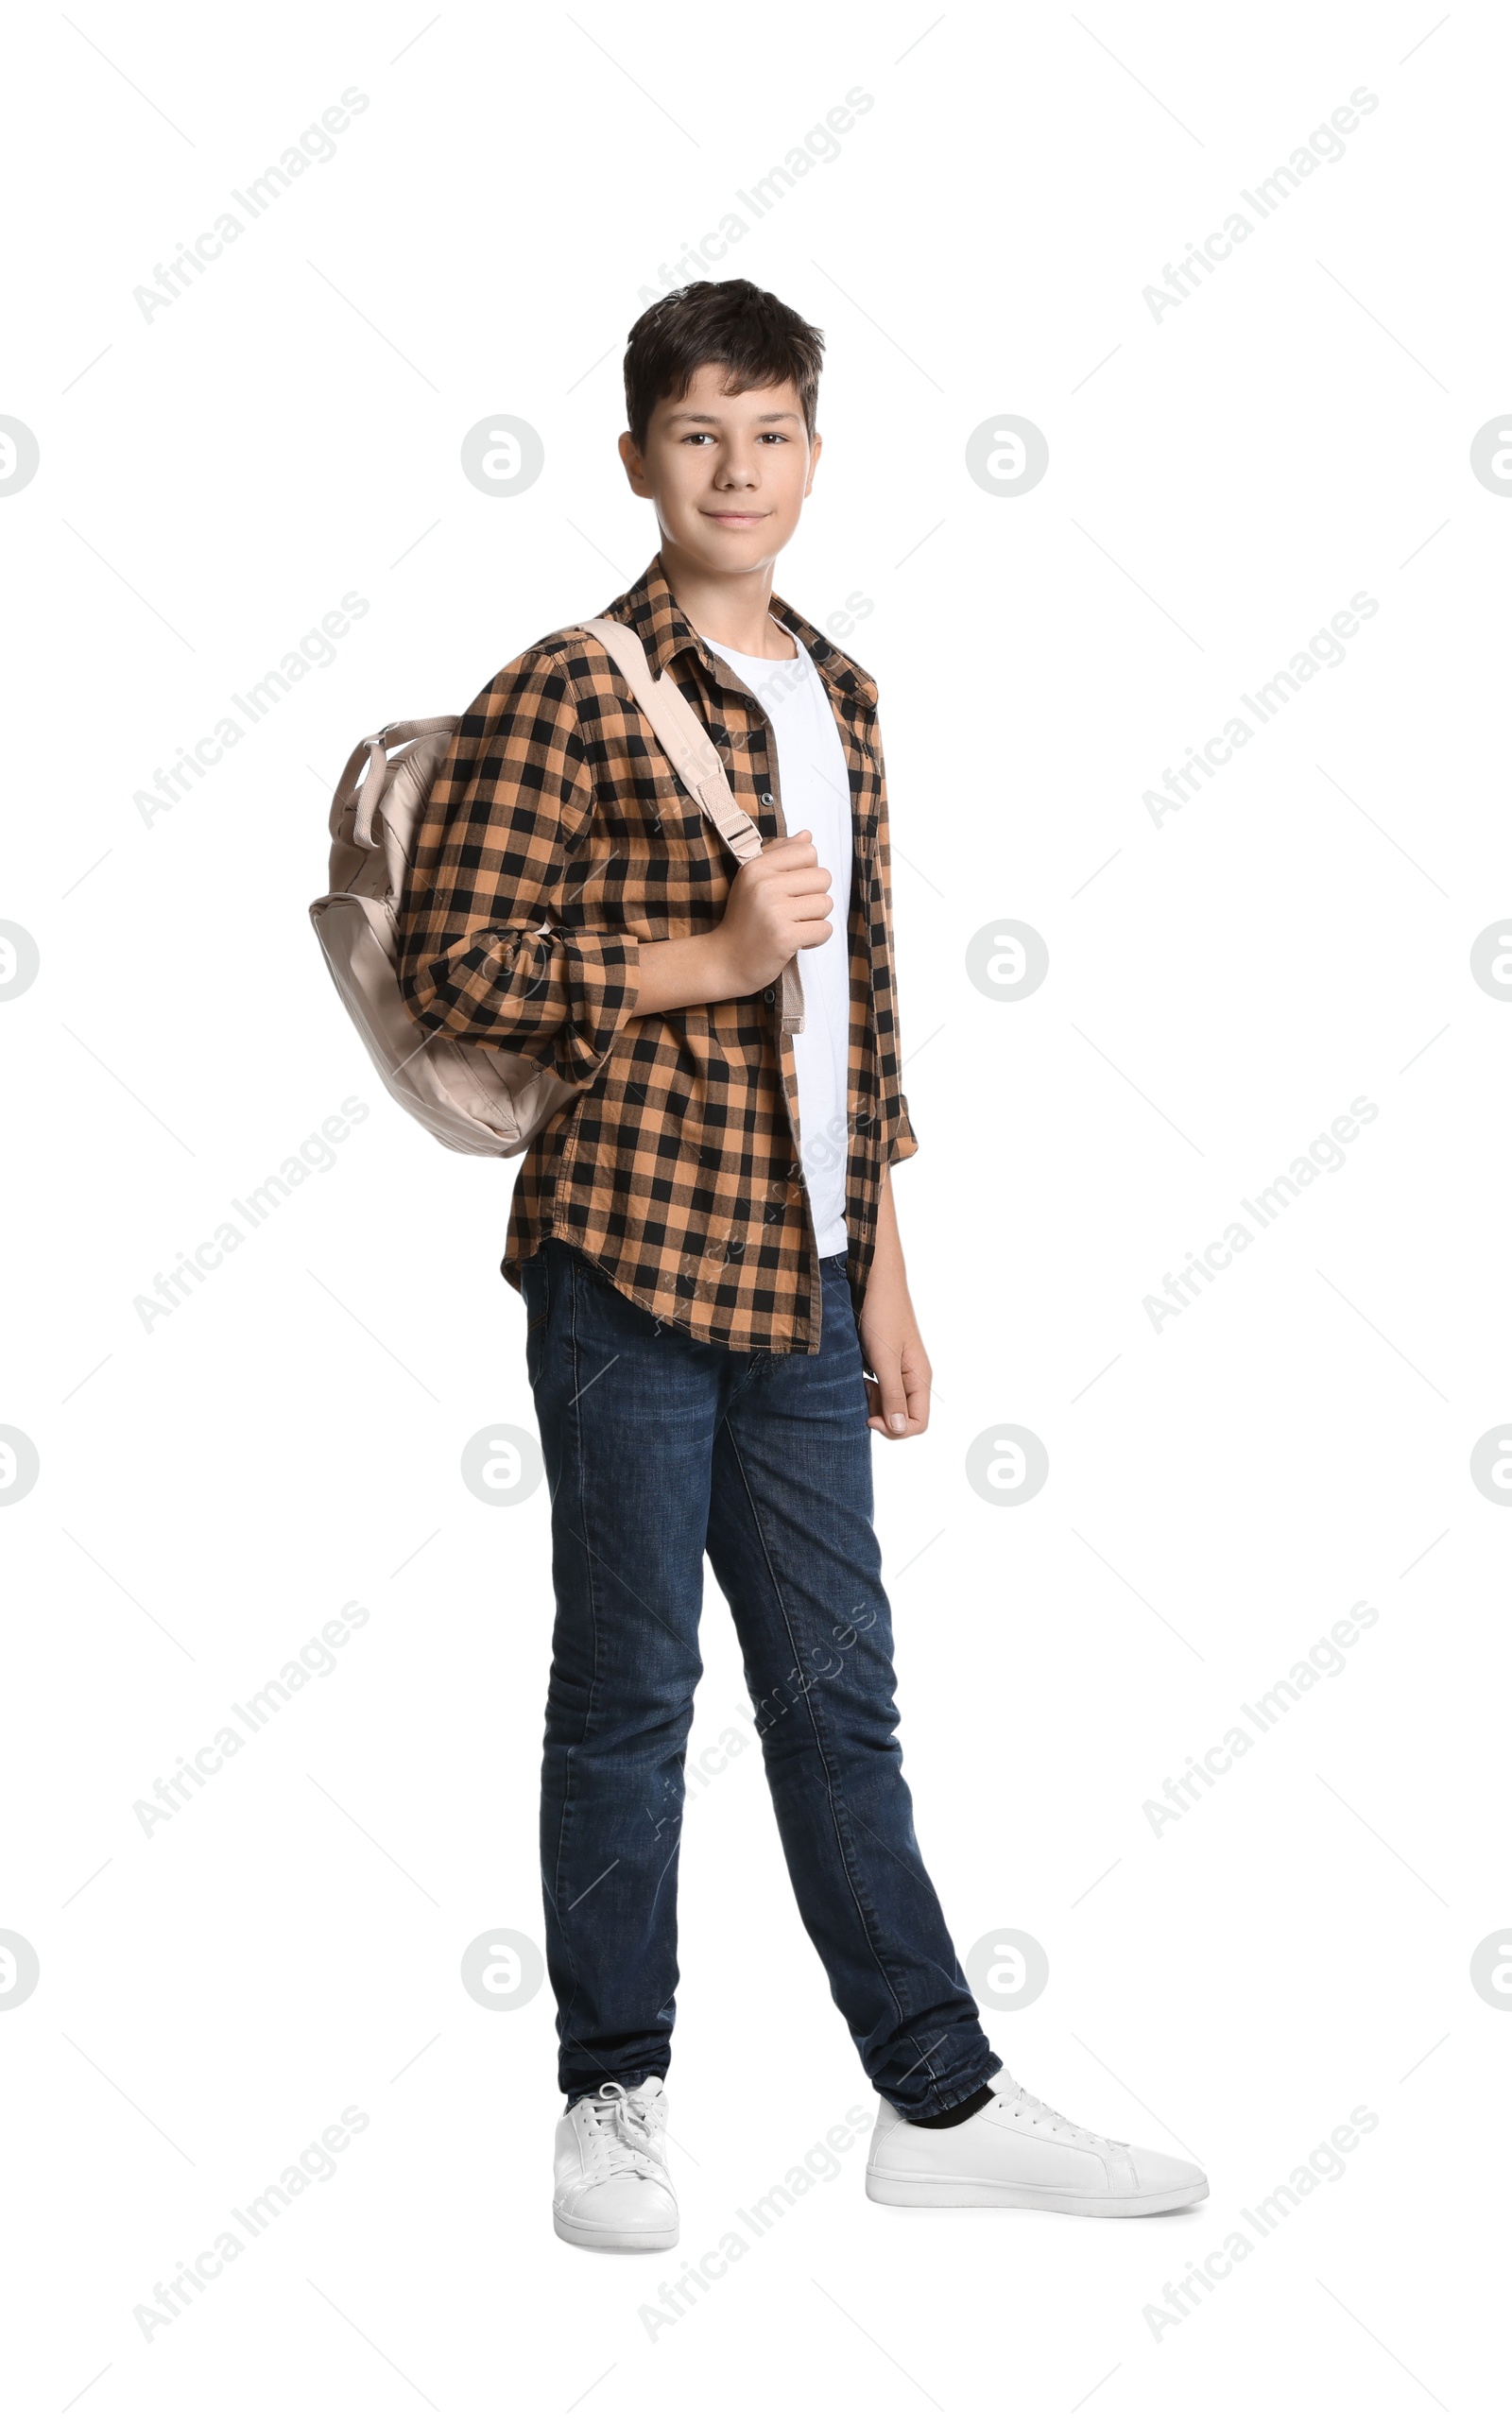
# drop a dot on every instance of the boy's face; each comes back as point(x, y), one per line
point(728, 475)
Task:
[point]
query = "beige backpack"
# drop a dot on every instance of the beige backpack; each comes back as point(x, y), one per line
point(476, 1099)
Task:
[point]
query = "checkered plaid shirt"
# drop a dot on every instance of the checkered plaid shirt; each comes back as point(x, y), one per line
point(675, 1166)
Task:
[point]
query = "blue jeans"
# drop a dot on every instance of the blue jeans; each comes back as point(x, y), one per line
point(657, 1448)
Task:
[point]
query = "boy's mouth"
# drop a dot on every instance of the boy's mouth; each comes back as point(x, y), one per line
point(737, 515)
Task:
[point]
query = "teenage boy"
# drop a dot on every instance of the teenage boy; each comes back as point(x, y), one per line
point(718, 1318)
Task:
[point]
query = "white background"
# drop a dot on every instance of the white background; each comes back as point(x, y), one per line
point(1221, 1491)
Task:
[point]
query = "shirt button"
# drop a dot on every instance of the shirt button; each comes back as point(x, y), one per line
point(766, 800)
point(770, 995)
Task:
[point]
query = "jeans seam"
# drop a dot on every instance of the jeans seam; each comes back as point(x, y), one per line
point(841, 1835)
point(569, 1784)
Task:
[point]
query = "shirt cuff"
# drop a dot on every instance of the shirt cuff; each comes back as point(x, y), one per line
point(903, 1141)
point(558, 998)
point(597, 980)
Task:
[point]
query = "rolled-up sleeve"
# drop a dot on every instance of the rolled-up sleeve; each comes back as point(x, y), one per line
point(491, 949)
point(903, 1141)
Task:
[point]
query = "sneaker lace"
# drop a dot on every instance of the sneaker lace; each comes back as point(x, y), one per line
point(624, 2131)
point(1040, 2111)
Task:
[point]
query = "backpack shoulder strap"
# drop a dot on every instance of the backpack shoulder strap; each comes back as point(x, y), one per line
point(699, 767)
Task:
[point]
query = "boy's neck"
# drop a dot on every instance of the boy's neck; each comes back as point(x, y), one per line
point(734, 609)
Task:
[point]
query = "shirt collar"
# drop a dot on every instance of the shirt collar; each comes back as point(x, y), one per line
point(664, 631)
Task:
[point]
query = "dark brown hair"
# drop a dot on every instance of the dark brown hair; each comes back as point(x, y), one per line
point(760, 341)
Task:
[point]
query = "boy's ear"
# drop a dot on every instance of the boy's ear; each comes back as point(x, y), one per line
point(815, 451)
point(634, 462)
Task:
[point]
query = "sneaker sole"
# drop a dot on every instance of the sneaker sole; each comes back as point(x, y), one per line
point(913, 2191)
point(613, 2238)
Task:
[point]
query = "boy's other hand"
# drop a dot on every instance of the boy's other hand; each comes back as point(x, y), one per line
point(779, 904)
point(898, 1400)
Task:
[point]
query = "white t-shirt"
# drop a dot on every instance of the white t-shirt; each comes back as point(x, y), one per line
point(816, 793)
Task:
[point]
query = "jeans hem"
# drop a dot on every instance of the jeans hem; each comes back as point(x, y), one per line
point(626, 2081)
point(949, 2093)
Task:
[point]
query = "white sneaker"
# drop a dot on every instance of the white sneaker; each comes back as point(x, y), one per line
point(1020, 2153)
point(613, 2192)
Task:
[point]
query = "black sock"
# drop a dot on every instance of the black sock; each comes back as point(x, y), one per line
point(968, 2108)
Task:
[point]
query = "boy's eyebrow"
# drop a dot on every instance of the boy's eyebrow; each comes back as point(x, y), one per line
point(714, 418)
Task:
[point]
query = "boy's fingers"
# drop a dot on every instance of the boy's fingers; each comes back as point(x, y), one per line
point(889, 1400)
point(793, 876)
